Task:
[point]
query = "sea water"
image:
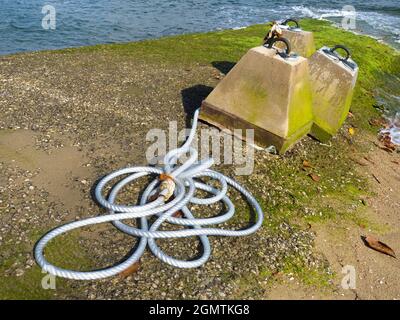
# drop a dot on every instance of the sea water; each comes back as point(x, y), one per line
point(87, 22)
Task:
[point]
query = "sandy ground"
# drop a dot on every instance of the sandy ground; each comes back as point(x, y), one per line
point(376, 274)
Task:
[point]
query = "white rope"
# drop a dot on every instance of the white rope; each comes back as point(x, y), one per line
point(185, 180)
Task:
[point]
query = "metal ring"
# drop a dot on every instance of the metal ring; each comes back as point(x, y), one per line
point(280, 39)
point(339, 46)
point(284, 23)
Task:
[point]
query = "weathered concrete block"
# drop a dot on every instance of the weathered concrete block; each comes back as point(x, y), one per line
point(302, 41)
point(267, 93)
point(332, 81)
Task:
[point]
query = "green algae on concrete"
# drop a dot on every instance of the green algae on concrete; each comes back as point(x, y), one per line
point(267, 93)
point(333, 83)
point(302, 42)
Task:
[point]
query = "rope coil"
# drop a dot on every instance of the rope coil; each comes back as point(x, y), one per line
point(181, 182)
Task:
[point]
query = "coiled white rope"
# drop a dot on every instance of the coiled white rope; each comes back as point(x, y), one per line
point(180, 178)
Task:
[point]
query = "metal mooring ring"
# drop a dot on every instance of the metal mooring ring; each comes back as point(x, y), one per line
point(271, 42)
point(339, 46)
point(284, 23)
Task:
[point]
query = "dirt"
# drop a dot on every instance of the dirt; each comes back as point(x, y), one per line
point(56, 170)
point(376, 274)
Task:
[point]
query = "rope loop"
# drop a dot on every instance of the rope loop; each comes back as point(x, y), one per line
point(171, 191)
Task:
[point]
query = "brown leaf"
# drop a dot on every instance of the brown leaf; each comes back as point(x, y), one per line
point(377, 122)
point(130, 270)
point(314, 177)
point(307, 164)
point(390, 145)
point(389, 150)
point(379, 246)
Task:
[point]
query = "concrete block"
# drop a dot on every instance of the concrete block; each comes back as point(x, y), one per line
point(267, 93)
point(332, 81)
point(302, 41)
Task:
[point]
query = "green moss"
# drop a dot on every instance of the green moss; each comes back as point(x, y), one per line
point(63, 251)
point(319, 278)
point(300, 109)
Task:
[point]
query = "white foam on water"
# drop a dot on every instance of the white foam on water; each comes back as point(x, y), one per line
point(238, 28)
point(380, 21)
point(319, 13)
point(395, 135)
point(394, 129)
point(388, 24)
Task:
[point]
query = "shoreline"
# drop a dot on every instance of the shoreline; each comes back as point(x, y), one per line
point(332, 23)
point(359, 33)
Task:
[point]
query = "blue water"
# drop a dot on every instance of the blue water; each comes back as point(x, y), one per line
point(87, 22)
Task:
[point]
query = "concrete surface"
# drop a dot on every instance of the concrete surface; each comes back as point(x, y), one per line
point(332, 83)
point(267, 93)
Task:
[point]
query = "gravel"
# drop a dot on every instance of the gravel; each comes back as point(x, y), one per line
point(99, 108)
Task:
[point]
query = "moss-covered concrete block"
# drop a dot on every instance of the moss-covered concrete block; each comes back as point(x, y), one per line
point(302, 42)
point(267, 93)
point(332, 81)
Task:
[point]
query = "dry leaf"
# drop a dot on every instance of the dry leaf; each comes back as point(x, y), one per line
point(314, 177)
point(307, 164)
point(377, 245)
point(389, 150)
point(377, 122)
point(351, 131)
point(390, 145)
point(130, 270)
point(387, 142)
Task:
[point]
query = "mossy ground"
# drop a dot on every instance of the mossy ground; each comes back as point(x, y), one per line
point(289, 195)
